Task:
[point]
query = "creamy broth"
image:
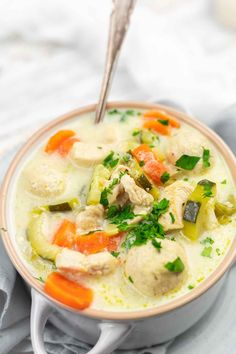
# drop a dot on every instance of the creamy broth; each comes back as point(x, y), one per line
point(115, 291)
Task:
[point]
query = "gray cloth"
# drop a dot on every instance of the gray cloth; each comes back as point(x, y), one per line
point(214, 334)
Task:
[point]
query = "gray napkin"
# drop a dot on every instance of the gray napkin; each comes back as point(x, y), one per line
point(214, 334)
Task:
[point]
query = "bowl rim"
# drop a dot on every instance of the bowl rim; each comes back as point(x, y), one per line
point(174, 304)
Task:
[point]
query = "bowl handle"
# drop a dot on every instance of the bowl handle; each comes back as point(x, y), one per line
point(111, 334)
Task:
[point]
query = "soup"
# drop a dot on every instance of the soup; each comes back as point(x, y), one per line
point(125, 215)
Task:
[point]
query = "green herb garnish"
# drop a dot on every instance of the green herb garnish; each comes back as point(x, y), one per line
point(115, 254)
point(206, 157)
point(156, 244)
point(190, 286)
point(187, 162)
point(207, 240)
point(117, 215)
point(106, 191)
point(163, 121)
point(224, 181)
point(218, 252)
point(172, 218)
point(177, 266)
point(113, 111)
point(40, 279)
point(207, 252)
point(141, 163)
point(111, 161)
point(136, 132)
point(165, 177)
point(130, 279)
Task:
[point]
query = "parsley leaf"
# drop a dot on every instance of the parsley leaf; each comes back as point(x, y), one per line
point(106, 191)
point(110, 160)
point(207, 240)
point(136, 132)
point(190, 286)
point(118, 215)
point(218, 252)
point(172, 218)
point(115, 254)
point(163, 121)
point(224, 181)
point(177, 266)
point(141, 163)
point(40, 279)
point(165, 177)
point(130, 279)
point(187, 162)
point(156, 244)
point(114, 111)
point(207, 252)
point(206, 157)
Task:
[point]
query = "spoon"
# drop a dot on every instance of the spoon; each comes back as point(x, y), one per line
point(119, 23)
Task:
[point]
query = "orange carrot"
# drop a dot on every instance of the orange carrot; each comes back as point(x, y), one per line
point(66, 145)
point(157, 126)
point(68, 292)
point(97, 242)
point(151, 166)
point(57, 139)
point(164, 116)
point(65, 235)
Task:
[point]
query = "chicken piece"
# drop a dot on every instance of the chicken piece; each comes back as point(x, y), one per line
point(90, 219)
point(44, 181)
point(72, 263)
point(137, 195)
point(145, 265)
point(177, 194)
point(187, 142)
point(88, 154)
point(118, 196)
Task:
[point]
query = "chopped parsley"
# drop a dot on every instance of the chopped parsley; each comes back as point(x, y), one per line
point(163, 121)
point(172, 218)
point(115, 254)
point(136, 132)
point(165, 177)
point(111, 160)
point(141, 163)
point(148, 229)
point(127, 156)
point(40, 279)
point(190, 286)
point(207, 240)
point(113, 111)
point(124, 115)
point(208, 190)
point(108, 190)
point(207, 252)
point(218, 252)
point(156, 244)
point(99, 147)
point(185, 179)
point(206, 157)
point(177, 266)
point(130, 279)
point(224, 181)
point(119, 216)
point(187, 162)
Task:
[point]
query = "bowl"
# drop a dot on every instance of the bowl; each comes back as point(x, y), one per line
point(109, 330)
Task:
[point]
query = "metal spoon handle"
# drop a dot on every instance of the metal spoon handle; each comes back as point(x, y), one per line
point(119, 23)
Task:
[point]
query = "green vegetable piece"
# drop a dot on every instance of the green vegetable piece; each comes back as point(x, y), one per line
point(60, 207)
point(130, 279)
point(111, 160)
point(115, 254)
point(190, 286)
point(163, 121)
point(223, 209)
point(191, 211)
point(197, 208)
point(207, 240)
point(187, 162)
point(165, 177)
point(100, 176)
point(144, 182)
point(177, 266)
point(156, 244)
point(206, 158)
point(141, 163)
point(38, 240)
point(207, 252)
point(224, 181)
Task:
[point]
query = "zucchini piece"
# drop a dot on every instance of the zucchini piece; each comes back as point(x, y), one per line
point(149, 138)
point(144, 182)
point(65, 206)
point(38, 240)
point(141, 179)
point(191, 211)
point(195, 211)
point(100, 176)
point(224, 210)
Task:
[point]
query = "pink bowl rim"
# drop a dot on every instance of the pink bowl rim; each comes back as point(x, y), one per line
point(174, 304)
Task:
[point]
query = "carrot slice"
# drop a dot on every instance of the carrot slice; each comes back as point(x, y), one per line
point(174, 122)
point(68, 292)
point(157, 126)
point(65, 147)
point(57, 139)
point(151, 166)
point(65, 235)
point(97, 242)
